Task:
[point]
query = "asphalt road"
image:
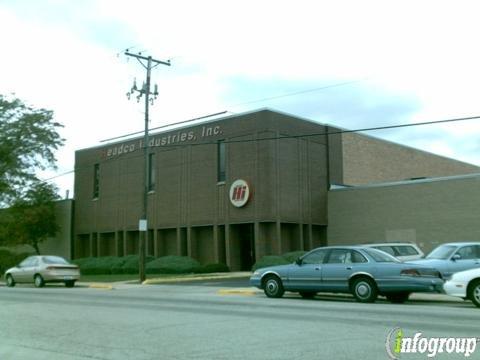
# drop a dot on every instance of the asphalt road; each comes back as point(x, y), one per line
point(194, 321)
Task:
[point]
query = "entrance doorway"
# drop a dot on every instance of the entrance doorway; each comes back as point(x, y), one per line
point(242, 247)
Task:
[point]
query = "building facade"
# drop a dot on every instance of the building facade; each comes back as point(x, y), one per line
point(233, 189)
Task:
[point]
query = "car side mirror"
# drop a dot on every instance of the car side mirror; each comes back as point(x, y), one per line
point(299, 261)
point(456, 257)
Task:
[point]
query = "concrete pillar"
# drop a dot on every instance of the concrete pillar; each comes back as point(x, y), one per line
point(278, 233)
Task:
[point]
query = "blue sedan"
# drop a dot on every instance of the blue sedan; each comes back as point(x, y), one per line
point(363, 272)
point(453, 257)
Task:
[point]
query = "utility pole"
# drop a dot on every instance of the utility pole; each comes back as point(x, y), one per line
point(148, 63)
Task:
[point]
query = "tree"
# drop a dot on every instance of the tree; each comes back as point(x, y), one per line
point(31, 219)
point(28, 140)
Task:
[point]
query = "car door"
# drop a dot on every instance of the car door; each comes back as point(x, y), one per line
point(463, 259)
point(307, 274)
point(337, 270)
point(20, 272)
point(30, 269)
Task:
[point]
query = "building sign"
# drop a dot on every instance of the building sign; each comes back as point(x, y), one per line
point(175, 138)
point(239, 193)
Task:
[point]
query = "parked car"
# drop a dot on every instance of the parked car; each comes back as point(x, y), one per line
point(465, 284)
point(365, 272)
point(402, 251)
point(452, 257)
point(41, 270)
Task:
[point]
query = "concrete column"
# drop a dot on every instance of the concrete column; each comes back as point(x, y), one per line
point(91, 245)
point(155, 242)
point(190, 243)
point(278, 231)
point(227, 246)
point(216, 246)
point(300, 236)
point(258, 251)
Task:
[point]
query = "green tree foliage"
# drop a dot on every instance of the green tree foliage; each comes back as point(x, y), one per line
point(28, 140)
point(31, 219)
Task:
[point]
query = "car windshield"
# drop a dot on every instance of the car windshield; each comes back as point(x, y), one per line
point(54, 260)
point(380, 256)
point(442, 252)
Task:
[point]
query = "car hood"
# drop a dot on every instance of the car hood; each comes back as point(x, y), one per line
point(278, 268)
point(467, 274)
point(435, 263)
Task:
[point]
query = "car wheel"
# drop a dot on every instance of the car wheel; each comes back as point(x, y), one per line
point(273, 287)
point(10, 281)
point(38, 281)
point(398, 298)
point(70, 283)
point(364, 290)
point(307, 294)
point(474, 292)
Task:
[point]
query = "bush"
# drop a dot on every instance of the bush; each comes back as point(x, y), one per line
point(130, 265)
point(211, 268)
point(270, 260)
point(293, 255)
point(172, 265)
point(9, 259)
point(96, 266)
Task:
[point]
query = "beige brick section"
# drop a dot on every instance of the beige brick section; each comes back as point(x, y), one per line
point(427, 212)
point(369, 160)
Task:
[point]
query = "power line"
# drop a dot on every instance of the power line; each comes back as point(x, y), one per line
point(325, 133)
point(244, 103)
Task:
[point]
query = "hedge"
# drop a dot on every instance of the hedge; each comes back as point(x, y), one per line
point(172, 265)
point(211, 268)
point(273, 260)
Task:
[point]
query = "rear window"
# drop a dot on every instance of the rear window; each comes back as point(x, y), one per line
point(380, 256)
point(387, 249)
point(54, 260)
point(406, 250)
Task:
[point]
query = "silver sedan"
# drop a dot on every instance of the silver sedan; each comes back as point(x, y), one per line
point(43, 269)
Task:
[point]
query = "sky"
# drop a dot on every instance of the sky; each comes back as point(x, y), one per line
point(353, 64)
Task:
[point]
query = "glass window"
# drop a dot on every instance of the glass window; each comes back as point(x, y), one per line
point(221, 175)
point(387, 249)
point(442, 252)
point(406, 250)
point(315, 257)
point(339, 256)
point(27, 262)
point(358, 258)
point(380, 256)
point(54, 260)
point(96, 180)
point(151, 172)
point(467, 252)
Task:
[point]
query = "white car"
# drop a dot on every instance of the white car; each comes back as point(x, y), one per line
point(402, 251)
point(465, 284)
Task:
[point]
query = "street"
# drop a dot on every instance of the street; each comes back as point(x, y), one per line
point(198, 321)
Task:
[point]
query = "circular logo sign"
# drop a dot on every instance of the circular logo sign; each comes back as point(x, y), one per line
point(239, 193)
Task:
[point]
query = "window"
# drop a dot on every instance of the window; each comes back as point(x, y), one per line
point(314, 258)
point(221, 161)
point(406, 250)
point(151, 172)
point(96, 180)
point(387, 249)
point(358, 258)
point(338, 256)
point(467, 252)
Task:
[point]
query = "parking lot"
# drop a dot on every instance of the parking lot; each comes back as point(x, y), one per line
point(212, 320)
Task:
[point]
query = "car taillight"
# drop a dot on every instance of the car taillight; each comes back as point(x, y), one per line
point(410, 272)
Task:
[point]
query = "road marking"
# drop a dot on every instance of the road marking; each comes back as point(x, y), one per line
point(101, 286)
point(244, 292)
